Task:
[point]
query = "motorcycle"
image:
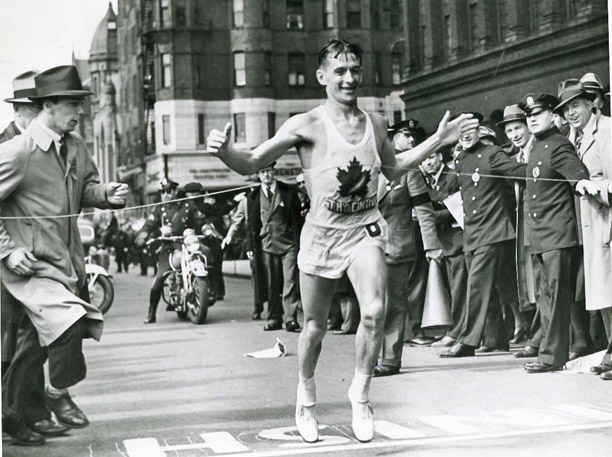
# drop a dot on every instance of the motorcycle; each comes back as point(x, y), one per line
point(187, 287)
point(101, 290)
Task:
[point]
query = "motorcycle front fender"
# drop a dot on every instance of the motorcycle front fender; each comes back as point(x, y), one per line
point(198, 268)
point(93, 269)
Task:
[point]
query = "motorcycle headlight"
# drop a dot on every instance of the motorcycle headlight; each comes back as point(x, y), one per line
point(92, 250)
point(193, 247)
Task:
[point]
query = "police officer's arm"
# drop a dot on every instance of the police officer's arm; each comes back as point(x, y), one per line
point(563, 160)
point(394, 166)
point(419, 194)
point(503, 165)
point(152, 224)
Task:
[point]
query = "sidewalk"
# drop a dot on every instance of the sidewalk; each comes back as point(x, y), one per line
point(237, 268)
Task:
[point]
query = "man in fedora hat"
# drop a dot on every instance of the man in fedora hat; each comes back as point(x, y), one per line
point(590, 134)
point(273, 226)
point(396, 201)
point(488, 240)
point(171, 218)
point(554, 173)
point(47, 173)
point(592, 84)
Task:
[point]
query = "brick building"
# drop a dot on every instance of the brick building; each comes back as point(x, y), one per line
point(187, 66)
point(485, 54)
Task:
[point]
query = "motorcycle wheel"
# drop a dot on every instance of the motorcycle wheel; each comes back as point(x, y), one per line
point(102, 294)
point(198, 310)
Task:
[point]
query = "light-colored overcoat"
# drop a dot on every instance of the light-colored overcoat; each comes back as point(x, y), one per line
point(596, 214)
point(38, 190)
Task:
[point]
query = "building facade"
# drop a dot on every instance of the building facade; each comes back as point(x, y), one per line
point(481, 55)
point(187, 66)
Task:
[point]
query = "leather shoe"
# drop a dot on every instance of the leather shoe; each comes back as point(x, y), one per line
point(293, 327)
point(345, 332)
point(601, 368)
point(422, 340)
point(256, 316)
point(527, 351)
point(307, 427)
point(458, 350)
point(576, 355)
point(385, 370)
point(273, 326)
point(607, 376)
point(445, 342)
point(66, 410)
point(520, 335)
point(20, 433)
point(488, 349)
point(541, 367)
point(48, 427)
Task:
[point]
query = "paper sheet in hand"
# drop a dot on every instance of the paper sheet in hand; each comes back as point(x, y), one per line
point(455, 205)
point(278, 350)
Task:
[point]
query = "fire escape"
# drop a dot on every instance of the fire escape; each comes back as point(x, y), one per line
point(147, 66)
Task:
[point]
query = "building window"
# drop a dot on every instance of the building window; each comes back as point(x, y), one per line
point(353, 14)
point(375, 15)
point(271, 124)
point(296, 70)
point(166, 70)
point(423, 36)
point(238, 16)
point(295, 14)
point(378, 69)
point(267, 68)
point(571, 9)
point(266, 14)
point(473, 26)
point(201, 131)
point(239, 128)
point(239, 69)
point(164, 13)
point(448, 43)
point(328, 14)
point(196, 75)
point(135, 90)
point(534, 22)
point(396, 14)
point(166, 128)
point(396, 68)
point(397, 116)
point(94, 86)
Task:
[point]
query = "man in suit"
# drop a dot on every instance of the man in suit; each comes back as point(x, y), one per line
point(554, 173)
point(273, 225)
point(442, 183)
point(48, 171)
point(488, 238)
point(396, 201)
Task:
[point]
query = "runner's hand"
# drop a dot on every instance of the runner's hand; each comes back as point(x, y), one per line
point(20, 262)
point(450, 132)
point(217, 141)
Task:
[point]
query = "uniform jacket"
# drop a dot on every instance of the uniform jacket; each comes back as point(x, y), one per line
point(487, 218)
point(550, 204)
point(288, 205)
point(451, 238)
point(35, 182)
point(596, 214)
point(9, 132)
point(396, 199)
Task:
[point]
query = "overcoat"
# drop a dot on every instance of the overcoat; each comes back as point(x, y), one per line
point(43, 194)
point(595, 213)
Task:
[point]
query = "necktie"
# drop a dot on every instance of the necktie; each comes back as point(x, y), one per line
point(579, 136)
point(63, 150)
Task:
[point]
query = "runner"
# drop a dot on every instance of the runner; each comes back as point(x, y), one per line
point(342, 151)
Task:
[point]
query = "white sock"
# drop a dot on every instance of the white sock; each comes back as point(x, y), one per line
point(360, 387)
point(306, 391)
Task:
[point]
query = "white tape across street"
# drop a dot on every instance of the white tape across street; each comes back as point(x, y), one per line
point(436, 430)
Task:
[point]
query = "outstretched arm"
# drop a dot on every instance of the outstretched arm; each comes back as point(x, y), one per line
point(394, 166)
point(249, 162)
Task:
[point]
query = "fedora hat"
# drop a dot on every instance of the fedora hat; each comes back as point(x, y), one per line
point(512, 113)
point(591, 82)
point(62, 81)
point(569, 90)
point(479, 117)
point(23, 87)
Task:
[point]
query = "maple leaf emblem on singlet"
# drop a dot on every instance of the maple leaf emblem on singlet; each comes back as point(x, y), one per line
point(354, 180)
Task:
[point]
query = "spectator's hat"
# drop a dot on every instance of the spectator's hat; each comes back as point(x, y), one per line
point(270, 165)
point(479, 117)
point(487, 132)
point(23, 87)
point(569, 90)
point(193, 188)
point(62, 81)
point(167, 184)
point(512, 113)
point(536, 103)
point(592, 83)
point(410, 126)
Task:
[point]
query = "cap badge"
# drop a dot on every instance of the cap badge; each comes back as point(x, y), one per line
point(530, 101)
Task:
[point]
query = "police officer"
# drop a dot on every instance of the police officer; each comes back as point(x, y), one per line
point(554, 173)
point(175, 217)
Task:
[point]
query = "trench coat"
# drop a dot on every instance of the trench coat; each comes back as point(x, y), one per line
point(596, 214)
point(34, 182)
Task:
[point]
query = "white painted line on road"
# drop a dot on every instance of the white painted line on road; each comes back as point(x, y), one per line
point(395, 431)
point(290, 439)
point(143, 447)
point(584, 411)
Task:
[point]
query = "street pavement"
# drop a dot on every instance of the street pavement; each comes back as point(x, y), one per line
point(181, 390)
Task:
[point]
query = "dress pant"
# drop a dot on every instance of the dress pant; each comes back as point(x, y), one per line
point(456, 276)
point(580, 336)
point(12, 313)
point(398, 283)
point(283, 288)
point(258, 279)
point(557, 285)
point(417, 288)
point(483, 305)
